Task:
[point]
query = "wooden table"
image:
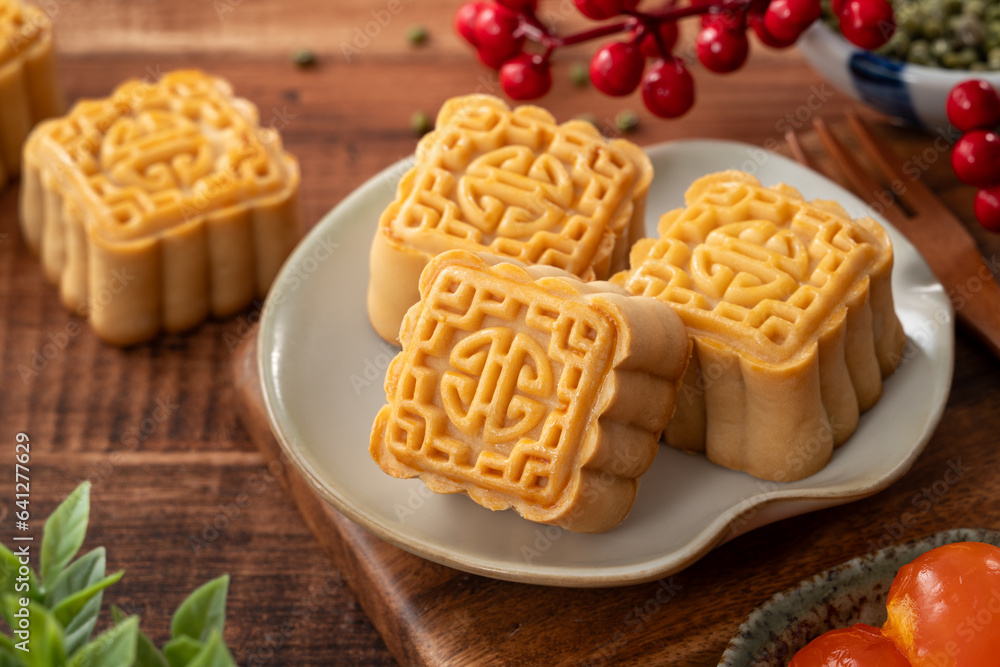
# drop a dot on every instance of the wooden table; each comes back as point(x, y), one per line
point(156, 430)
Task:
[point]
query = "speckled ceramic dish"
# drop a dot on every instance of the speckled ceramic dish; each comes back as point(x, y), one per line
point(852, 592)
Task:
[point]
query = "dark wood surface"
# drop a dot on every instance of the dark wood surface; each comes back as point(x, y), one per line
point(193, 497)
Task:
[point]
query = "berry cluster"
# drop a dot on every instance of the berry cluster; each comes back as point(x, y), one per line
point(974, 108)
point(501, 29)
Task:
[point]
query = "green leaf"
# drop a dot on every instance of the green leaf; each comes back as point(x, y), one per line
point(117, 615)
point(64, 532)
point(202, 612)
point(10, 564)
point(146, 653)
point(45, 644)
point(67, 610)
point(213, 654)
point(114, 648)
point(7, 606)
point(82, 625)
point(8, 658)
point(179, 652)
point(85, 571)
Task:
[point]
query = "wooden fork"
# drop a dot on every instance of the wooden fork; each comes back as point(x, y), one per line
point(940, 237)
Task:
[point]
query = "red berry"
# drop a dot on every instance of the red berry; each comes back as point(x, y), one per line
point(722, 49)
point(764, 35)
point(519, 5)
point(988, 208)
point(668, 89)
point(616, 68)
point(867, 23)
point(974, 105)
point(787, 19)
point(604, 9)
point(976, 158)
point(494, 35)
point(526, 77)
point(668, 36)
point(838, 6)
point(729, 18)
point(465, 20)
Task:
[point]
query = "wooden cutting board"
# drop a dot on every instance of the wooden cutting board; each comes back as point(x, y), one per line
point(429, 614)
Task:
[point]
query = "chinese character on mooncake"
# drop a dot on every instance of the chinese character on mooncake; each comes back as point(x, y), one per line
point(790, 307)
point(511, 183)
point(29, 89)
point(527, 388)
point(159, 206)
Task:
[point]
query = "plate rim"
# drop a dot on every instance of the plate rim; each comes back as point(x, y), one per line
point(708, 538)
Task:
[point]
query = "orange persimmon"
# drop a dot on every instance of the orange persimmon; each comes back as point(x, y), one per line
point(858, 646)
point(944, 607)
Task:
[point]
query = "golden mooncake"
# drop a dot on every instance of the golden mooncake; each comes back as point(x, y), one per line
point(511, 183)
point(29, 89)
point(790, 308)
point(524, 387)
point(159, 206)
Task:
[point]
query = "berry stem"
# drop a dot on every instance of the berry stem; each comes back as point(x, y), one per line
point(674, 13)
point(533, 29)
point(551, 41)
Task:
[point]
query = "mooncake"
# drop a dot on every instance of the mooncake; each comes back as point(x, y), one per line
point(159, 206)
point(511, 183)
point(29, 89)
point(524, 387)
point(789, 305)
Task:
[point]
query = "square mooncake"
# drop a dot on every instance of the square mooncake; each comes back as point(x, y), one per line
point(29, 89)
point(527, 388)
point(511, 183)
point(789, 305)
point(159, 206)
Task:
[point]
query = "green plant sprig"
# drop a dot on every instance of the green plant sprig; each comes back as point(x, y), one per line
point(64, 603)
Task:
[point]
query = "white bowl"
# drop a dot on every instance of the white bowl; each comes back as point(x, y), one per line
point(910, 93)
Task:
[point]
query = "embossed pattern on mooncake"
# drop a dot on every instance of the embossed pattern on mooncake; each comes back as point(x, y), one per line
point(790, 307)
point(511, 183)
point(526, 388)
point(29, 88)
point(169, 190)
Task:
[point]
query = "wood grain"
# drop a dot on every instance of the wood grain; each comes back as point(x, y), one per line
point(432, 615)
point(157, 493)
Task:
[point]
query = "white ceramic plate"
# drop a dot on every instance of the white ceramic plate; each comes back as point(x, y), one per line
point(322, 369)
